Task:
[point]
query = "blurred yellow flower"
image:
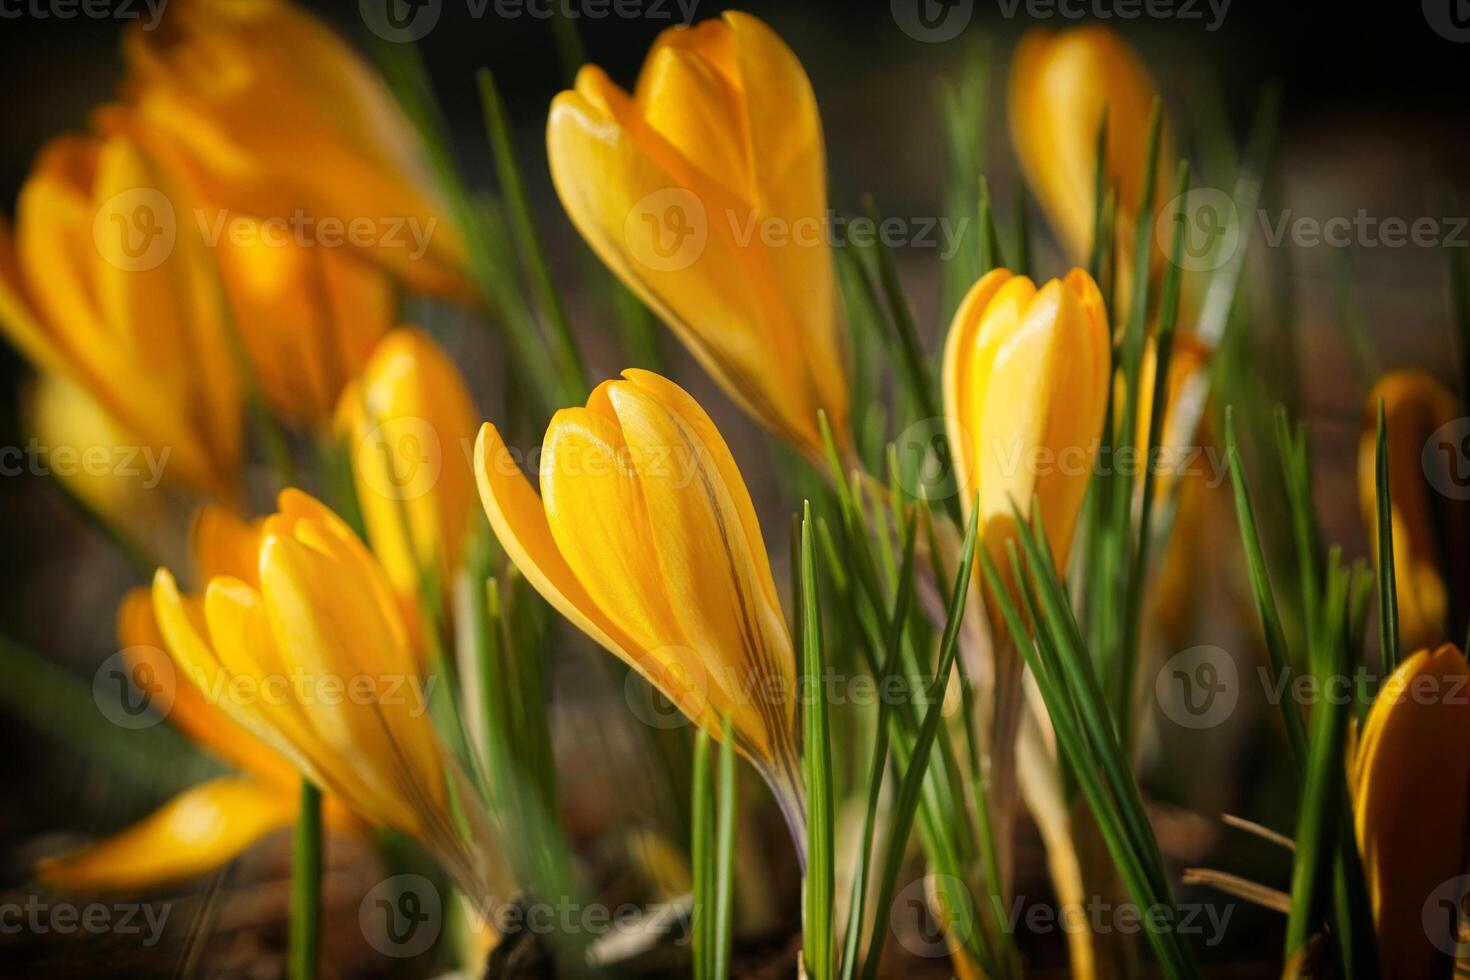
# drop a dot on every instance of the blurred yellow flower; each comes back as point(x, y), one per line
point(101, 287)
point(1025, 379)
point(705, 192)
point(209, 824)
point(280, 119)
point(1411, 793)
point(644, 536)
point(1060, 84)
point(1427, 524)
point(410, 421)
point(320, 642)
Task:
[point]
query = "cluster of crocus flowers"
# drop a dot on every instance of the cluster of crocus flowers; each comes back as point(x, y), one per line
point(1061, 83)
point(209, 824)
point(1410, 780)
point(1430, 570)
point(276, 116)
point(409, 422)
point(1025, 380)
point(317, 638)
point(645, 538)
point(705, 192)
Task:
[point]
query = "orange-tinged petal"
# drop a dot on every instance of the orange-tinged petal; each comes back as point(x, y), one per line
point(224, 544)
point(199, 830)
point(1411, 787)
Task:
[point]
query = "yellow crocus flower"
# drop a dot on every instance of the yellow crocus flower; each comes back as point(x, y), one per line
point(212, 823)
point(645, 538)
point(1426, 522)
point(105, 287)
point(1411, 792)
point(705, 192)
point(320, 639)
point(410, 421)
point(1060, 84)
point(279, 118)
point(1025, 380)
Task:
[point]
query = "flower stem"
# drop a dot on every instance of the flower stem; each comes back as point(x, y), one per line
point(306, 884)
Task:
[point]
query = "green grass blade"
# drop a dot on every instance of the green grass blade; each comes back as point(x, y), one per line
point(992, 256)
point(817, 911)
point(1255, 559)
point(1317, 821)
point(907, 801)
point(724, 869)
point(1099, 198)
point(572, 373)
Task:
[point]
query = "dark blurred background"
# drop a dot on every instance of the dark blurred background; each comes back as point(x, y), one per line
point(1374, 117)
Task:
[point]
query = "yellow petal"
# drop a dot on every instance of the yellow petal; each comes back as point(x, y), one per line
point(1411, 780)
point(713, 583)
point(958, 345)
point(197, 831)
point(706, 195)
point(519, 520)
point(410, 419)
point(224, 544)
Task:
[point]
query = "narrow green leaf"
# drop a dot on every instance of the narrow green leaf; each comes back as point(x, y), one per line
point(724, 870)
point(907, 801)
point(992, 256)
point(1099, 198)
point(1255, 559)
point(817, 910)
point(568, 361)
